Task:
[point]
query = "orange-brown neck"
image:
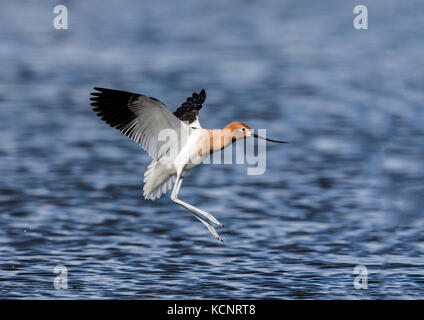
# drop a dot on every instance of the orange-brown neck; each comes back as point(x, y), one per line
point(220, 138)
point(236, 125)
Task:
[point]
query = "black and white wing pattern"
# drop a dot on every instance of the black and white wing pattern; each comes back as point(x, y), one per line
point(189, 110)
point(139, 117)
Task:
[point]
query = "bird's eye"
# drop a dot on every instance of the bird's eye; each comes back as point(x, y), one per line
point(244, 129)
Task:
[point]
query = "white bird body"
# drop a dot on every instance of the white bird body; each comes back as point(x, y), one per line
point(176, 142)
point(161, 172)
point(189, 156)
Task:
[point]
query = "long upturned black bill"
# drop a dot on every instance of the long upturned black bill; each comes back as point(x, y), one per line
point(259, 137)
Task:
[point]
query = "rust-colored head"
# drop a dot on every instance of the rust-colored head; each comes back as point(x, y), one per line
point(238, 130)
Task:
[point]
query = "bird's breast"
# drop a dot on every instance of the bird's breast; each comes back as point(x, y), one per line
point(193, 152)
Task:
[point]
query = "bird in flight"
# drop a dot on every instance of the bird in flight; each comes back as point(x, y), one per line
point(175, 141)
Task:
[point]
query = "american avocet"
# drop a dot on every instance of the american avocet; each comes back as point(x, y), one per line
point(144, 119)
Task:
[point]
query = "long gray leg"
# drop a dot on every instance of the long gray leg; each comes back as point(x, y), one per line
point(174, 197)
point(180, 181)
point(207, 215)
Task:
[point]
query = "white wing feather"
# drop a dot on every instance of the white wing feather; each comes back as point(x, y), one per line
point(153, 117)
point(141, 118)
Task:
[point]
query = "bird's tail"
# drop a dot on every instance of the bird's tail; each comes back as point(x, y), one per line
point(157, 181)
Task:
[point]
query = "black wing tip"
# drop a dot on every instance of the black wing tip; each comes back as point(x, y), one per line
point(189, 110)
point(98, 92)
point(107, 100)
point(200, 97)
point(100, 89)
point(109, 91)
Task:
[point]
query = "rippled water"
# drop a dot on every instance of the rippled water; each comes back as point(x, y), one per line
point(348, 189)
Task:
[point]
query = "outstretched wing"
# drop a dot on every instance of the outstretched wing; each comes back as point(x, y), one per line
point(189, 110)
point(139, 117)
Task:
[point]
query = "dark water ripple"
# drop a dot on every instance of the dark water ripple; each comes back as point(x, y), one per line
point(347, 191)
